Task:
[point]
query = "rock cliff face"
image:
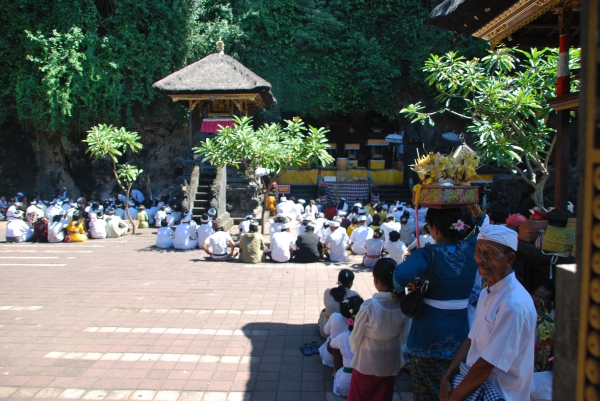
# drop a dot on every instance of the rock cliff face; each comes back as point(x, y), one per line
point(42, 162)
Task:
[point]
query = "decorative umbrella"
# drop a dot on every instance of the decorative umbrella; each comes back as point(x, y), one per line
point(394, 139)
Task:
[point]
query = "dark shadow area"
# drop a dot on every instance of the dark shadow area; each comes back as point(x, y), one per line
point(278, 370)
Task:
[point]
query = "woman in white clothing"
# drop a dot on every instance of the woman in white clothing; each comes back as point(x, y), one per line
point(165, 235)
point(374, 248)
point(333, 296)
point(56, 229)
point(424, 239)
point(397, 249)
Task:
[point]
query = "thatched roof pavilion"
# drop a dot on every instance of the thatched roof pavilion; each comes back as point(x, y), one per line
point(221, 86)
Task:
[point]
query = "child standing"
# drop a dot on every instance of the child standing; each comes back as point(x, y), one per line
point(343, 376)
point(376, 339)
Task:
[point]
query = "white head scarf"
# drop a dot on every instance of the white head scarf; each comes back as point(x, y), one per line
point(499, 234)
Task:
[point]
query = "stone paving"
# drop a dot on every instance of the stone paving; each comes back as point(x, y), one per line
point(118, 319)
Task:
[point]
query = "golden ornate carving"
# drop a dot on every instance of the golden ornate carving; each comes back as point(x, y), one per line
point(593, 343)
point(594, 317)
point(592, 371)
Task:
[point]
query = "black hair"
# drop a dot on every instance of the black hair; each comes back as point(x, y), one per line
point(305, 222)
point(378, 208)
point(253, 228)
point(425, 228)
point(56, 218)
point(349, 308)
point(310, 228)
point(99, 214)
point(164, 223)
point(95, 206)
point(345, 279)
point(354, 220)
point(281, 219)
point(394, 236)
point(355, 210)
point(443, 219)
point(376, 219)
point(384, 272)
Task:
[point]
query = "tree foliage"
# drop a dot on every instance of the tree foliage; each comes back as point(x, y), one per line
point(71, 64)
point(271, 147)
point(107, 141)
point(504, 96)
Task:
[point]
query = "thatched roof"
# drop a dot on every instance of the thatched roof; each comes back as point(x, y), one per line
point(466, 16)
point(214, 74)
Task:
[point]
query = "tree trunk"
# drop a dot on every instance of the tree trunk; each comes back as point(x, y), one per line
point(127, 209)
point(538, 195)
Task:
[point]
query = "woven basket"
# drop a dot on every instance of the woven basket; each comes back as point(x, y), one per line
point(560, 239)
point(531, 229)
point(442, 197)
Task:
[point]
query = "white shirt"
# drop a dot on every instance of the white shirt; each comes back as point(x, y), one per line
point(358, 237)
point(406, 234)
point(204, 231)
point(218, 242)
point(183, 234)
point(151, 213)
point(297, 210)
point(323, 233)
point(336, 325)
point(423, 240)
point(280, 246)
point(159, 217)
point(337, 241)
point(342, 342)
point(98, 228)
point(311, 210)
point(376, 337)
point(53, 211)
point(397, 250)
point(503, 334)
point(388, 227)
point(33, 213)
point(244, 226)
point(343, 209)
point(164, 237)
point(10, 213)
point(374, 246)
point(331, 305)
point(17, 228)
point(56, 231)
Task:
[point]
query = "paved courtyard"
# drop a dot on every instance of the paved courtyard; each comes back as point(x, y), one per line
point(118, 319)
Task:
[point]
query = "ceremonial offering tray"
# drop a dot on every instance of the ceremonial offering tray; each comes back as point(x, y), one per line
point(445, 197)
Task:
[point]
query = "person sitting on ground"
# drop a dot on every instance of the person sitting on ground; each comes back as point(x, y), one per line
point(498, 355)
point(56, 229)
point(341, 206)
point(252, 245)
point(165, 235)
point(3, 205)
point(396, 249)
point(336, 325)
point(363, 212)
point(142, 218)
point(218, 243)
point(302, 227)
point(245, 224)
point(424, 239)
point(389, 226)
point(342, 381)
point(333, 296)
point(282, 244)
point(276, 224)
point(40, 230)
point(212, 213)
point(33, 213)
point(120, 211)
point(11, 212)
point(406, 231)
point(330, 211)
point(76, 229)
point(374, 249)
point(97, 226)
point(337, 242)
point(17, 230)
point(186, 236)
point(308, 246)
point(345, 222)
point(360, 234)
point(115, 226)
point(375, 341)
point(352, 226)
point(379, 211)
point(376, 223)
point(204, 230)
point(160, 215)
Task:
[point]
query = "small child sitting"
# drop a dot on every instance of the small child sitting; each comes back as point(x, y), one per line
point(343, 376)
point(376, 339)
point(336, 325)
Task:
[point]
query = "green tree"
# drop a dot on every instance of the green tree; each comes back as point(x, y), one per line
point(271, 147)
point(108, 141)
point(504, 96)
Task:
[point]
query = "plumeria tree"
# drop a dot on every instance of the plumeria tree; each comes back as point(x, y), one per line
point(270, 149)
point(108, 141)
point(504, 96)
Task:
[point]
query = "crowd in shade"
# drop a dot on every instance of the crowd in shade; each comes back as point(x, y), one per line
point(63, 218)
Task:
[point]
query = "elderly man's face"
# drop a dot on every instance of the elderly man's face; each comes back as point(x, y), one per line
point(493, 260)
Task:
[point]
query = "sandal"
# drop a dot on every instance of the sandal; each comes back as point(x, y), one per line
point(315, 347)
point(306, 349)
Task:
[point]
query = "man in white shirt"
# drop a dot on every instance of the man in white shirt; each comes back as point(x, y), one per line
point(33, 213)
point(186, 236)
point(324, 231)
point(337, 241)
point(137, 195)
point(360, 235)
point(283, 206)
point(69, 214)
point(311, 210)
point(160, 216)
point(282, 244)
point(389, 226)
point(17, 230)
point(132, 211)
point(298, 209)
point(204, 230)
point(342, 206)
point(212, 214)
point(115, 226)
point(363, 212)
point(120, 211)
point(54, 210)
point(245, 224)
point(500, 347)
point(97, 226)
point(12, 211)
point(218, 243)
